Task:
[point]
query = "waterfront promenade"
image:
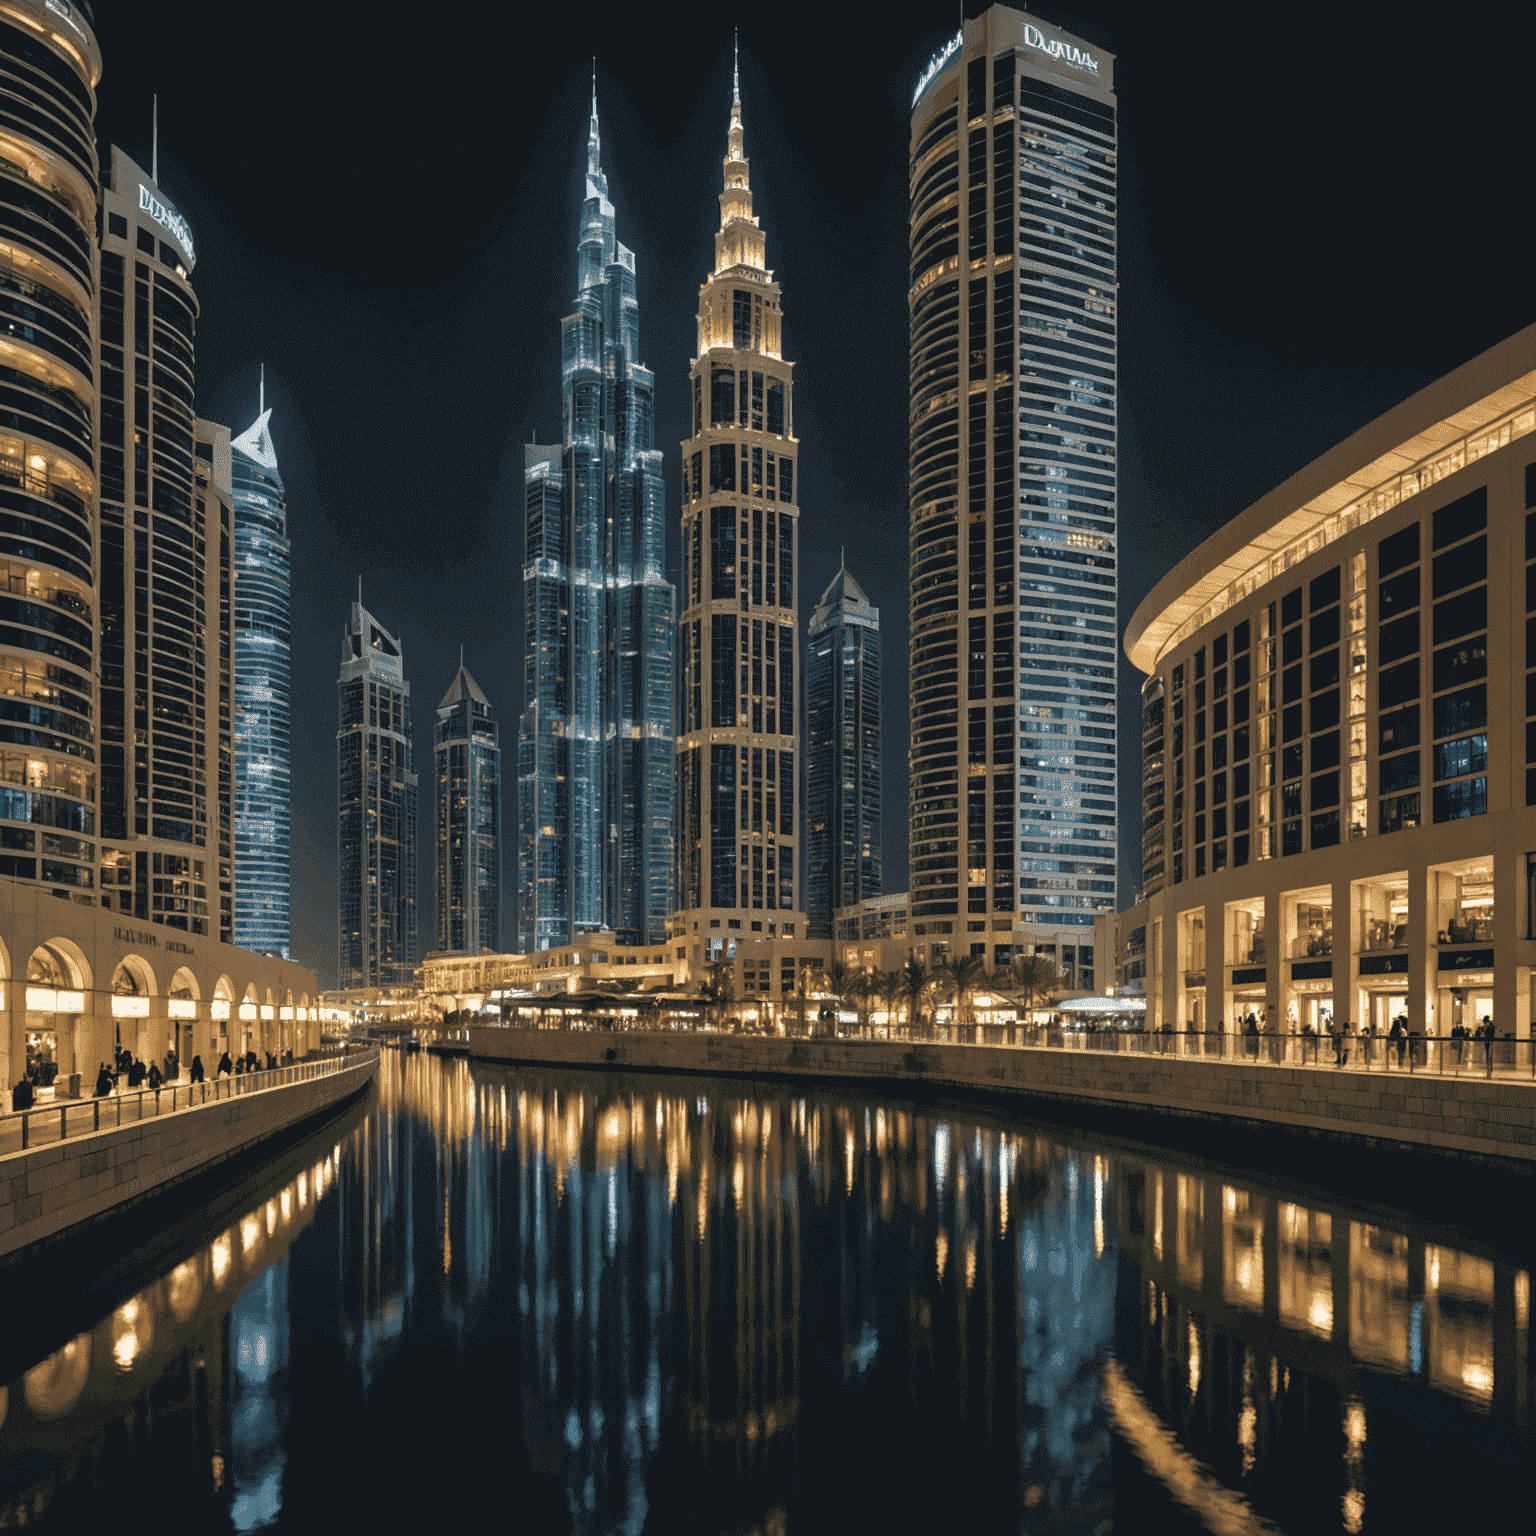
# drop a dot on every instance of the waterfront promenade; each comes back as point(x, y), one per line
point(1465, 1105)
point(73, 1162)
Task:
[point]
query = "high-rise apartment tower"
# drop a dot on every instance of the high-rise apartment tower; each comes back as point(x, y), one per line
point(376, 798)
point(167, 748)
point(842, 753)
point(738, 827)
point(595, 739)
point(49, 68)
point(1012, 487)
point(468, 760)
point(262, 680)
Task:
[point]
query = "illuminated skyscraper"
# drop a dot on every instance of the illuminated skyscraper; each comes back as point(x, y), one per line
point(376, 801)
point(1013, 491)
point(468, 760)
point(262, 554)
point(842, 753)
point(595, 738)
point(167, 753)
point(49, 68)
point(738, 828)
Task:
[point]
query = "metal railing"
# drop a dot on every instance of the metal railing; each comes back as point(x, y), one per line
point(1504, 1058)
point(65, 1119)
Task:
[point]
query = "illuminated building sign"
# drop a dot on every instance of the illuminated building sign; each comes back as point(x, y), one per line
point(168, 219)
point(1068, 53)
point(1051, 47)
point(936, 63)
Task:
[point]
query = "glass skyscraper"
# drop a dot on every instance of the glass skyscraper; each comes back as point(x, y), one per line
point(595, 738)
point(167, 744)
point(262, 557)
point(376, 795)
point(468, 760)
point(1012, 491)
point(739, 830)
point(842, 754)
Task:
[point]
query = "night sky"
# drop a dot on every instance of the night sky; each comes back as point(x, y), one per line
point(1322, 210)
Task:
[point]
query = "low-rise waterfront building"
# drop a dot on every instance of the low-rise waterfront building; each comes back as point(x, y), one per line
point(1339, 746)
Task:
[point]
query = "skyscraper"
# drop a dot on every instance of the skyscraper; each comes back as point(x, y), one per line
point(49, 68)
point(1013, 490)
point(738, 830)
point(262, 551)
point(842, 753)
point(167, 750)
point(595, 738)
point(376, 799)
point(468, 820)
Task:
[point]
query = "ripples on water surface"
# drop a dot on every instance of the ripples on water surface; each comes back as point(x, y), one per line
point(595, 1304)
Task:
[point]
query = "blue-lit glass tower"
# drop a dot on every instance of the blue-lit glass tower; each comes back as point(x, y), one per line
point(842, 753)
point(262, 563)
point(468, 758)
point(595, 738)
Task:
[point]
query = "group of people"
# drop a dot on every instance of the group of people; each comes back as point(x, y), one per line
point(125, 1070)
point(1400, 1039)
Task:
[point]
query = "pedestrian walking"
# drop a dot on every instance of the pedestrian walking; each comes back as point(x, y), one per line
point(225, 1067)
point(197, 1070)
point(103, 1081)
point(155, 1080)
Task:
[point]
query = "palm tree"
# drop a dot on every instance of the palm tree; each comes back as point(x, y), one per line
point(720, 990)
point(838, 979)
point(864, 989)
point(1029, 979)
point(890, 995)
point(966, 972)
point(916, 979)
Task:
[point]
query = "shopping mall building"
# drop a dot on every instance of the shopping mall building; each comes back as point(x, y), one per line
point(1339, 734)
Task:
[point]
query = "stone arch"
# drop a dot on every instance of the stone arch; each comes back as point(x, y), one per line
point(134, 977)
point(184, 985)
point(224, 990)
point(60, 963)
point(5, 971)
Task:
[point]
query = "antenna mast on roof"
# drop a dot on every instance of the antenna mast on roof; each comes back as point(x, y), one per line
point(154, 142)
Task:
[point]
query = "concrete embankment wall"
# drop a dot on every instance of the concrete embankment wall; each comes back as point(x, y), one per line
point(57, 1190)
point(1430, 1114)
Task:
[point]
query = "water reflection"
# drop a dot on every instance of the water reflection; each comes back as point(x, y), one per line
point(645, 1305)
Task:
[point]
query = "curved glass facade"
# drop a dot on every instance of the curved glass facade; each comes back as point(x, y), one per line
point(49, 273)
point(1012, 487)
point(262, 673)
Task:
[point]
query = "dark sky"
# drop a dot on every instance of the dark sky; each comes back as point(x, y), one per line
point(1322, 209)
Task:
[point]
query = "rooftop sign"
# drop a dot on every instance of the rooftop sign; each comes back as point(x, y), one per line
point(1055, 48)
point(1051, 47)
point(937, 62)
point(168, 219)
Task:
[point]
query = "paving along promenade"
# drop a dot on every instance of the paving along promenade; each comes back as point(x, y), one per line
point(1445, 1096)
point(71, 1162)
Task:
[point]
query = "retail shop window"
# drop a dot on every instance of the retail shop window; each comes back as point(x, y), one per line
point(1463, 897)
point(1245, 932)
point(1306, 920)
point(1382, 905)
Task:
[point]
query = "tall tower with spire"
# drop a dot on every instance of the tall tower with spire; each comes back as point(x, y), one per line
point(262, 680)
point(595, 740)
point(737, 749)
point(468, 761)
point(842, 753)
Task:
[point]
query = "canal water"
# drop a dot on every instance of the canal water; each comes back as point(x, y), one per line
point(559, 1302)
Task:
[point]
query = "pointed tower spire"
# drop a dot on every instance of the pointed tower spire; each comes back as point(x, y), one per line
point(594, 139)
point(262, 396)
point(736, 67)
